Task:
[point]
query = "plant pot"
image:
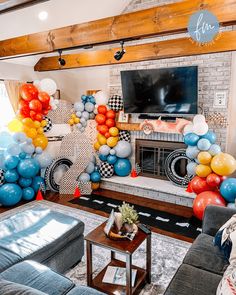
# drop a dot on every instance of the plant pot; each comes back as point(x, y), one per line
point(131, 228)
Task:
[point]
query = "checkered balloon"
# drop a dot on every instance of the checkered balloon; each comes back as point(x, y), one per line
point(106, 170)
point(124, 135)
point(2, 179)
point(116, 103)
point(48, 127)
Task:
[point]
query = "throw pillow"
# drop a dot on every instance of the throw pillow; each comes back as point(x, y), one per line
point(10, 288)
point(227, 285)
point(225, 239)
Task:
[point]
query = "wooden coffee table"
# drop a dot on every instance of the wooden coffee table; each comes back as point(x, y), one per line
point(98, 238)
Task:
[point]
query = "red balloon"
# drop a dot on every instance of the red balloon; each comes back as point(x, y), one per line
point(100, 119)
point(23, 104)
point(110, 123)
point(25, 112)
point(204, 199)
point(44, 97)
point(103, 129)
point(102, 109)
point(35, 105)
point(213, 180)
point(32, 115)
point(28, 92)
point(222, 178)
point(44, 112)
point(107, 135)
point(111, 114)
point(38, 117)
point(200, 185)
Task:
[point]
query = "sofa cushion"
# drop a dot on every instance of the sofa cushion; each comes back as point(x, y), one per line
point(36, 234)
point(204, 255)
point(10, 288)
point(39, 277)
point(82, 290)
point(190, 280)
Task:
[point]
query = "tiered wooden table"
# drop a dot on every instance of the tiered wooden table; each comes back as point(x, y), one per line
point(98, 238)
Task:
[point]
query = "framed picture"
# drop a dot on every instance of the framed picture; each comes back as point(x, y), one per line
point(122, 117)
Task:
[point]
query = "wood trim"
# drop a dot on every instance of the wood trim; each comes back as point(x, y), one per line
point(160, 20)
point(226, 41)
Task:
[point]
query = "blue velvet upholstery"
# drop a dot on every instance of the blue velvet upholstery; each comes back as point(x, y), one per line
point(81, 290)
point(10, 288)
point(36, 234)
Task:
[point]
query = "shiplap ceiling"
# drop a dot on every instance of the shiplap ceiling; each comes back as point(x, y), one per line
point(60, 13)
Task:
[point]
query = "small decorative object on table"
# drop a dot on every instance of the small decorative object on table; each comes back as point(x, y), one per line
point(122, 117)
point(122, 225)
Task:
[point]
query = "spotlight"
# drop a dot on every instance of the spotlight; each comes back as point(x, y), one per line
point(119, 54)
point(61, 60)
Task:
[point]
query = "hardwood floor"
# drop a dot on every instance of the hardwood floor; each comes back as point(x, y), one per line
point(158, 205)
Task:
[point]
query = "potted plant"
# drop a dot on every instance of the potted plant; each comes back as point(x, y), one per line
point(127, 217)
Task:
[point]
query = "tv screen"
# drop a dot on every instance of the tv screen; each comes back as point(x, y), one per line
point(161, 91)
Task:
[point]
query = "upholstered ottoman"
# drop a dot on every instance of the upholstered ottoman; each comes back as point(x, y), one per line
point(41, 232)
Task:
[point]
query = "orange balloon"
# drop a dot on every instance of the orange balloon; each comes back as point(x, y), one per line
point(111, 114)
point(37, 124)
point(40, 141)
point(103, 129)
point(102, 109)
point(107, 134)
point(97, 146)
point(100, 119)
point(28, 122)
point(28, 92)
point(110, 123)
point(40, 130)
point(95, 185)
point(31, 132)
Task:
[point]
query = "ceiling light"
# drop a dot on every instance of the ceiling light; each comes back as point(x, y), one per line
point(119, 54)
point(61, 60)
point(43, 15)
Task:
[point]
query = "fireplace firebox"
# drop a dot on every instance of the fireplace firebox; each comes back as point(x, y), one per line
point(151, 156)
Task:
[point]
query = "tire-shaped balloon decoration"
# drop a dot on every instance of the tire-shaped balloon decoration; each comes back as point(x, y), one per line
point(55, 172)
point(2, 178)
point(48, 127)
point(170, 168)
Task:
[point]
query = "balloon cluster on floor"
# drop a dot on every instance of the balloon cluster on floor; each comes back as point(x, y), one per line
point(22, 154)
point(209, 166)
point(91, 174)
point(82, 112)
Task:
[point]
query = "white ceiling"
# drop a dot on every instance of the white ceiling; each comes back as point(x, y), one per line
point(60, 13)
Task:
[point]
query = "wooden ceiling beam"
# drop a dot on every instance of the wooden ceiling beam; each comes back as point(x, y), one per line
point(160, 20)
point(226, 41)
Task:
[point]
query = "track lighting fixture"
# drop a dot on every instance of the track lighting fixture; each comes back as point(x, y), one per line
point(119, 54)
point(61, 61)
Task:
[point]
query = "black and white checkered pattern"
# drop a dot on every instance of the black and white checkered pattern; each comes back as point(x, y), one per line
point(106, 170)
point(124, 135)
point(2, 179)
point(48, 127)
point(116, 103)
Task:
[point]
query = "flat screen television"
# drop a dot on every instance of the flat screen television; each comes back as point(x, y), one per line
point(170, 91)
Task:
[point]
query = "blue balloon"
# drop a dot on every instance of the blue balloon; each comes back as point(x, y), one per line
point(13, 149)
point(95, 177)
point(37, 182)
point(19, 137)
point(211, 136)
point(96, 169)
point(11, 175)
point(228, 189)
point(84, 177)
point(44, 159)
point(2, 161)
point(204, 144)
point(111, 159)
point(25, 182)
point(10, 194)
point(22, 155)
point(5, 139)
point(122, 167)
point(191, 139)
point(28, 194)
point(215, 149)
point(191, 168)
point(28, 168)
point(90, 168)
point(28, 148)
point(192, 152)
point(103, 157)
point(11, 162)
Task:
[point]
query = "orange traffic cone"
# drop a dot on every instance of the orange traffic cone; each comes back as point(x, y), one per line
point(77, 192)
point(133, 173)
point(189, 188)
point(39, 196)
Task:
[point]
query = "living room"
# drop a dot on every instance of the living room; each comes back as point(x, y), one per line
point(117, 147)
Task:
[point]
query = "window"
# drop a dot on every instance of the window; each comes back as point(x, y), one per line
point(6, 109)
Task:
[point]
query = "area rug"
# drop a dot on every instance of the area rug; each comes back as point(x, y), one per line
point(187, 227)
point(167, 253)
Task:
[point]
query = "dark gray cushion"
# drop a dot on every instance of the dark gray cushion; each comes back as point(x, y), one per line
point(10, 288)
point(192, 281)
point(81, 290)
point(39, 277)
point(204, 255)
point(37, 234)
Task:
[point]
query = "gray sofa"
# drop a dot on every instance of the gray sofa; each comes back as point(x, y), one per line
point(34, 235)
point(204, 264)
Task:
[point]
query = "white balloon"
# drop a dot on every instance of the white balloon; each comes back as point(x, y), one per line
point(200, 128)
point(188, 129)
point(199, 119)
point(101, 98)
point(48, 85)
point(37, 84)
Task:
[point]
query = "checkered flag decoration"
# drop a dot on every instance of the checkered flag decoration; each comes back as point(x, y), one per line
point(124, 135)
point(2, 178)
point(48, 127)
point(116, 103)
point(106, 170)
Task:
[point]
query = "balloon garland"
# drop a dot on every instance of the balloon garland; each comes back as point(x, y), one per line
point(22, 152)
point(209, 166)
